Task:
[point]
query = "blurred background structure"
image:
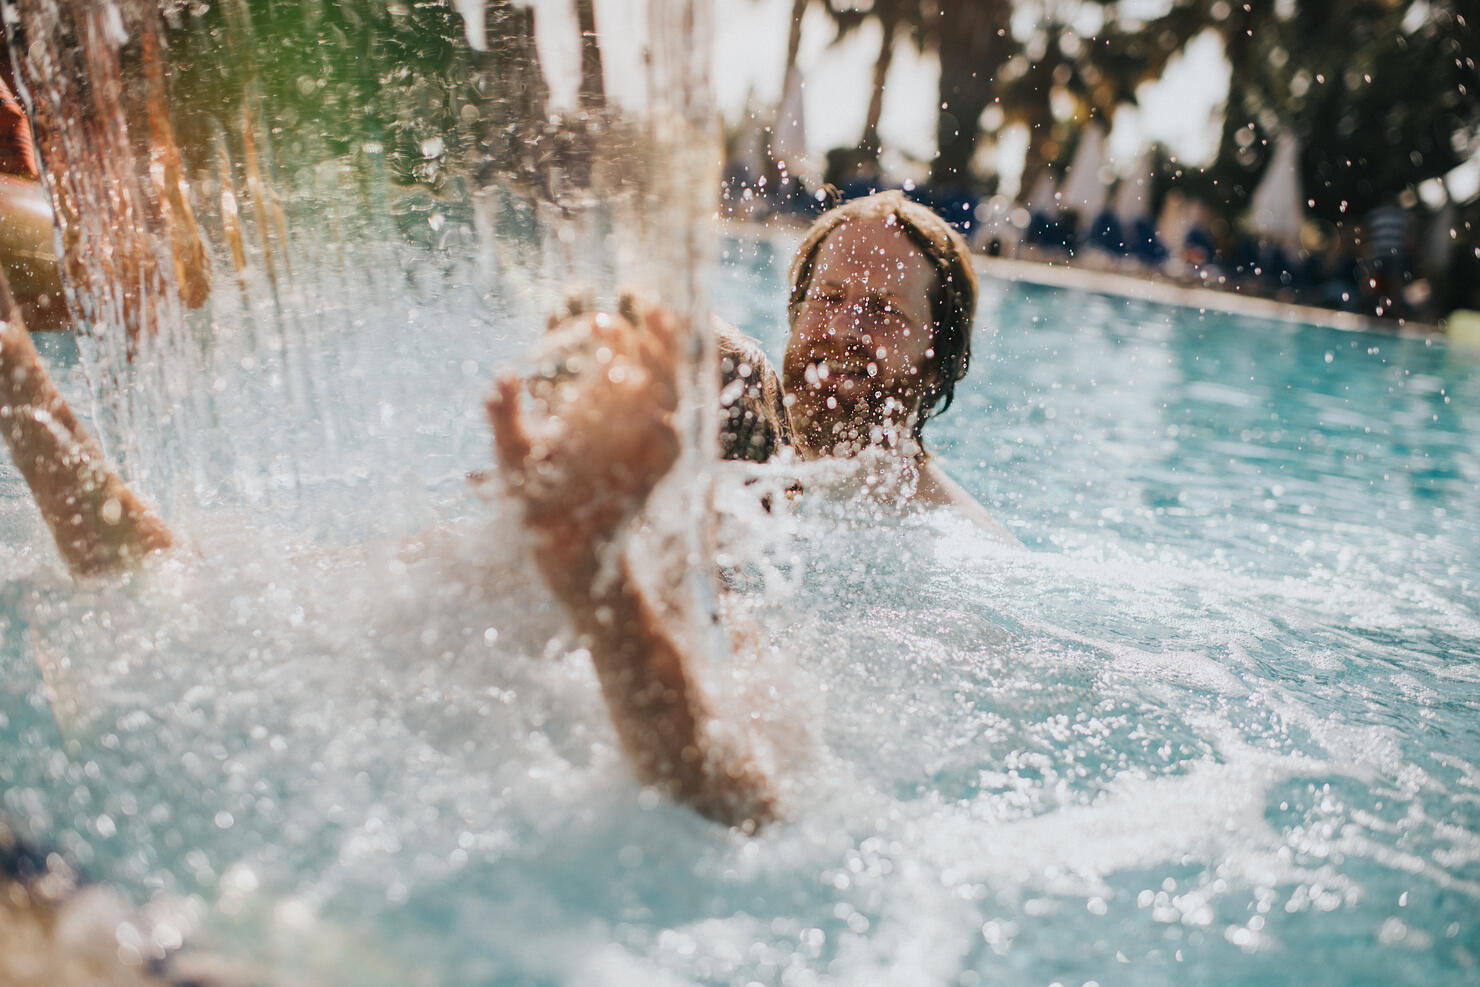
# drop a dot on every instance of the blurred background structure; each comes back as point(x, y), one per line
point(1315, 152)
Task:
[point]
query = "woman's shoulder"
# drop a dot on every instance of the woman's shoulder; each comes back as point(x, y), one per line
point(937, 488)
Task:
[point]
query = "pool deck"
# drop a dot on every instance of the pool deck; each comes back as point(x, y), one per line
point(1154, 288)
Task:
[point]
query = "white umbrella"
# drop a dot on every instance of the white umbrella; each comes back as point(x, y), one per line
point(1438, 243)
point(1133, 197)
point(750, 148)
point(1045, 198)
point(1178, 217)
point(1278, 205)
point(1084, 188)
point(789, 136)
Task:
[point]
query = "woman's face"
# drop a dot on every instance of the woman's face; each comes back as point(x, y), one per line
point(860, 357)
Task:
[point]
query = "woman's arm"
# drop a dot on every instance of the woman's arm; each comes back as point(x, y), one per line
point(98, 523)
point(660, 713)
point(583, 473)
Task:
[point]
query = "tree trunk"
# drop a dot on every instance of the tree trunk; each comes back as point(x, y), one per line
point(793, 43)
point(869, 145)
point(1035, 163)
point(1036, 114)
point(593, 90)
point(973, 42)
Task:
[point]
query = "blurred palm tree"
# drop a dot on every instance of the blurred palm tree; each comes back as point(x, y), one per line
point(593, 89)
point(1381, 95)
point(894, 17)
point(982, 63)
point(794, 40)
point(973, 40)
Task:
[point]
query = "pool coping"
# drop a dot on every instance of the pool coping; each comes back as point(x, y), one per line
point(1160, 290)
point(1140, 285)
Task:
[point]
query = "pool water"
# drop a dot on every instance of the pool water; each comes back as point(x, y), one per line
point(1220, 721)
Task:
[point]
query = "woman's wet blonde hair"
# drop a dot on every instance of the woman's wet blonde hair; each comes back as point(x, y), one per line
point(952, 303)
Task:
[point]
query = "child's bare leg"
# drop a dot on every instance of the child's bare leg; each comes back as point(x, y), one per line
point(98, 523)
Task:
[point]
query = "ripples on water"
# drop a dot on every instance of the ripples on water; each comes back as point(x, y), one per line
point(1220, 723)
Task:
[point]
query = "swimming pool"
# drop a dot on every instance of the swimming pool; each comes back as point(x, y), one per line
point(1218, 724)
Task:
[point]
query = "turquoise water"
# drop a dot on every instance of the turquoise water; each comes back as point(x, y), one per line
point(1219, 723)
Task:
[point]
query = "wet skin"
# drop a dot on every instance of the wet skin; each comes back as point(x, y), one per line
point(859, 357)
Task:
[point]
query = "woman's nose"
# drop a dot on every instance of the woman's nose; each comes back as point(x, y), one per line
point(848, 321)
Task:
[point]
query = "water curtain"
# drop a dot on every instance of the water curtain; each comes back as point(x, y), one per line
point(245, 192)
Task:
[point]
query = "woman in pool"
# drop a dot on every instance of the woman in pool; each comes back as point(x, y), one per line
point(882, 299)
point(881, 306)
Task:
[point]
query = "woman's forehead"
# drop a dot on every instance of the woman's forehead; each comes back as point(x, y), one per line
point(876, 252)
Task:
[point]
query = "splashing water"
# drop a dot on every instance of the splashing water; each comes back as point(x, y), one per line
point(1218, 724)
point(334, 171)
